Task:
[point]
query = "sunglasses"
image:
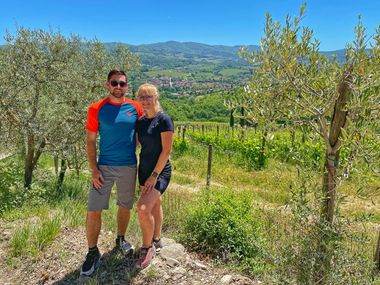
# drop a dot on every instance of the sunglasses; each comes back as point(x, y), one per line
point(115, 83)
point(147, 98)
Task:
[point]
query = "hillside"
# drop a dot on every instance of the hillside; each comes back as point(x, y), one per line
point(179, 53)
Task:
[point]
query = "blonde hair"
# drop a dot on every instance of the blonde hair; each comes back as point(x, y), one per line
point(149, 89)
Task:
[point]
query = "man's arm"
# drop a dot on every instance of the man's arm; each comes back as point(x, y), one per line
point(97, 178)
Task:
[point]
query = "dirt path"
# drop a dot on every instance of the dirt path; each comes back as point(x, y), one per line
point(60, 264)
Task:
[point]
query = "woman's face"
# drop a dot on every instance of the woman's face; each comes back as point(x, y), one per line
point(147, 101)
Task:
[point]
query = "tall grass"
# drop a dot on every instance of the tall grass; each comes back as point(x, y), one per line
point(30, 240)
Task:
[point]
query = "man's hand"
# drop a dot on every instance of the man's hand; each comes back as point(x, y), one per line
point(97, 179)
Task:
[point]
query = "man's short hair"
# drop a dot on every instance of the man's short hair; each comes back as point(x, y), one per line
point(116, 72)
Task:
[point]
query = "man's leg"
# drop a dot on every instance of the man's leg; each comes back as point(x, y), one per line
point(97, 201)
point(93, 225)
point(144, 209)
point(123, 215)
point(126, 186)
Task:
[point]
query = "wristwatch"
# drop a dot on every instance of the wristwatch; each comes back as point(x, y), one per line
point(154, 174)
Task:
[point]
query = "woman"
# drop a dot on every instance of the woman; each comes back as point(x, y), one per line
point(154, 132)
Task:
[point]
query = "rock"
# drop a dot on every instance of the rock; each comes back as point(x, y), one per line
point(171, 262)
point(198, 265)
point(174, 251)
point(168, 241)
point(226, 279)
point(179, 271)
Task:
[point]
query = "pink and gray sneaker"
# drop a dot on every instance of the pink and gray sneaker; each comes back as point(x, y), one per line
point(158, 244)
point(145, 257)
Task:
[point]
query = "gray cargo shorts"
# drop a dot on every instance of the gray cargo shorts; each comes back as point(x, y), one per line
point(125, 179)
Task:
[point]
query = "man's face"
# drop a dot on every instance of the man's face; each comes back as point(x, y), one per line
point(117, 85)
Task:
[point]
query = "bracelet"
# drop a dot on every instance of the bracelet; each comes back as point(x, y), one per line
point(154, 174)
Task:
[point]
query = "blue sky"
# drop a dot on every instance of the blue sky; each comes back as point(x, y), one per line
point(226, 22)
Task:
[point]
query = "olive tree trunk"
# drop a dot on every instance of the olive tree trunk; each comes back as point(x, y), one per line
point(31, 159)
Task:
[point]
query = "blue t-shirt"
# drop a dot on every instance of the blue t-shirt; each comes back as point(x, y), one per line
point(116, 126)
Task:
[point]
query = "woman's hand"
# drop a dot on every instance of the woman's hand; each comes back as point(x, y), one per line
point(149, 184)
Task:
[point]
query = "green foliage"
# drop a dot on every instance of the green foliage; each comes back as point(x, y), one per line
point(180, 145)
point(43, 191)
point(294, 83)
point(196, 108)
point(20, 241)
point(224, 224)
point(305, 241)
point(72, 212)
point(308, 153)
point(175, 206)
point(248, 150)
point(10, 177)
point(31, 240)
point(73, 189)
point(53, 80)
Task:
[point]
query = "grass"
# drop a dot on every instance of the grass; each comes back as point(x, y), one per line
point(271, 185)
point(72, 213)
point(183, 179)
point(270, 188)
point(30, 240)
point(25, 212)
point(232, 72)
point(19, 244)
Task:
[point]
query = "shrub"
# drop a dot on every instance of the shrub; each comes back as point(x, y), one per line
point(309, 251)
point(222, 224)
point(180, 145)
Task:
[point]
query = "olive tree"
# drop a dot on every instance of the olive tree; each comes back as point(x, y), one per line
point(47, 82)
point(340, 101)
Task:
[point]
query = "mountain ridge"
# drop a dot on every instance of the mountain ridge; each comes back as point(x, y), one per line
point(176, 54)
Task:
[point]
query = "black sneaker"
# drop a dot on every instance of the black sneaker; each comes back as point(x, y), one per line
point(124, 245)
point(91, 263)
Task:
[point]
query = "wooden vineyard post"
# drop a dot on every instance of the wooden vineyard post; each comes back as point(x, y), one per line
point(55, 156)
point(183, 133)
point(377, 254)
point(209, 163)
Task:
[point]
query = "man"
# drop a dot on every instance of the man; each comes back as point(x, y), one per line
point(114, 118)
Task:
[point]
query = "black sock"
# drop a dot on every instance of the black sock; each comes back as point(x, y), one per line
point(92, 249)
point(156, 240)
point(120, 237)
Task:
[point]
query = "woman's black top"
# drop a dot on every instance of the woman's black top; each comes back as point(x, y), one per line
point(149, 135)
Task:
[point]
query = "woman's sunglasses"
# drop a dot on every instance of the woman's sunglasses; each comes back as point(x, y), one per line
point(143, 98)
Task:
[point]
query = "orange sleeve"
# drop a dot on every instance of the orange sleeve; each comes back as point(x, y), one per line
point(92, 119)
point(92, 115)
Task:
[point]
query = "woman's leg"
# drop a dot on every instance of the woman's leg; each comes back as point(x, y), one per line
point(158, 217)
point(144, 209)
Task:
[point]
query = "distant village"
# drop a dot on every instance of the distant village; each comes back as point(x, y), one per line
point(183, 87)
